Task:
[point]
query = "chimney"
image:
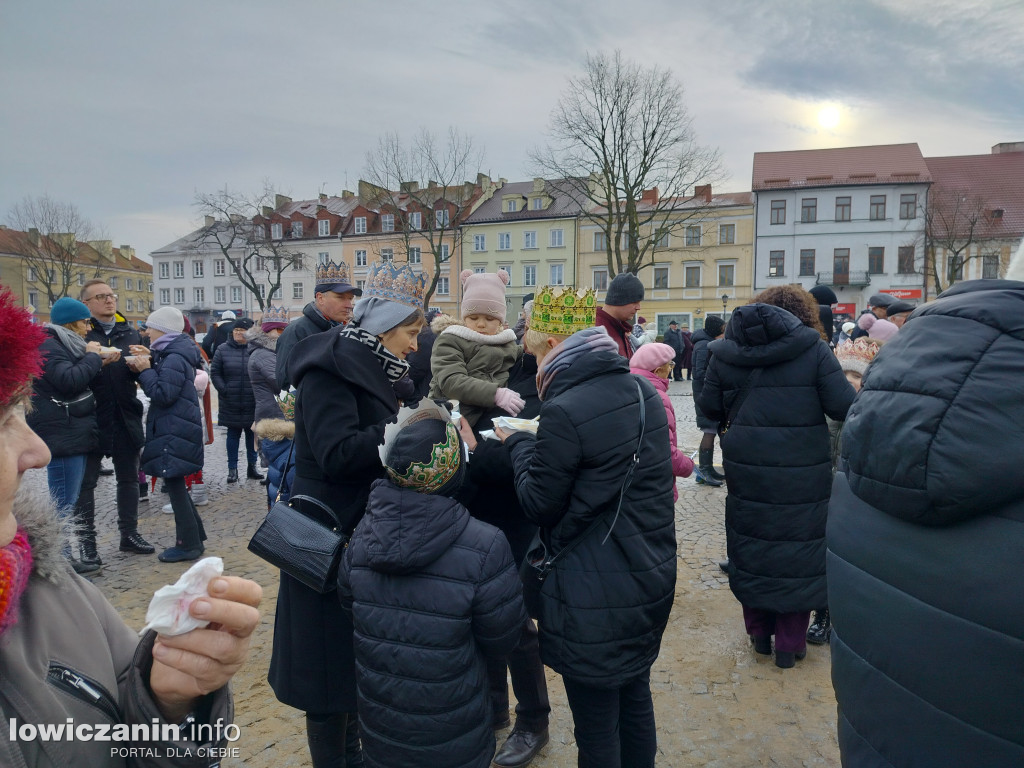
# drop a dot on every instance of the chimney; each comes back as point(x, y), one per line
point(431, 184)
point(1008, 146)
point(323, 197)
point(703, 191)
point(209, 221)
point(104, 248)
point(409, 186)
point(33, 236)
point(127, 252)
point(280, 200)
point(346, 194)
point(267, 211)
point(538, 184)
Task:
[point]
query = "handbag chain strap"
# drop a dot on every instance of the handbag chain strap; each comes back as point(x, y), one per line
point(284, 475)
point(740, 398)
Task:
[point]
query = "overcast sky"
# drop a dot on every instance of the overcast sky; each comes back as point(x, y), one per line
point(128, 108)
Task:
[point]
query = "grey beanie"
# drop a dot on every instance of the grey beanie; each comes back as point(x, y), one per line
point(166, 319)
point(376, 315)
point(625, 288)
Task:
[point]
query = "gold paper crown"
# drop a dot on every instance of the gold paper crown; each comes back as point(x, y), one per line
point(395, 282)
point(431, 475)
point(330, 273)
point(564, 312)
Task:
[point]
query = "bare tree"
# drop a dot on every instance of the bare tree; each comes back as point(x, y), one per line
point(956, 223)
point(55, 230)
point(423, 186)
point(620, 131)
point(237, 226)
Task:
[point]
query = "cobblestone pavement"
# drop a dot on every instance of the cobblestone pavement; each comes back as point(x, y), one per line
point(717, 703)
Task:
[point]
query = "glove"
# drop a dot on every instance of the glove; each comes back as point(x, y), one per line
point(508, 401)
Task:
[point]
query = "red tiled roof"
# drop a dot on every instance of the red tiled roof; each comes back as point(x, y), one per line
point(998, 180)
point(842, 166)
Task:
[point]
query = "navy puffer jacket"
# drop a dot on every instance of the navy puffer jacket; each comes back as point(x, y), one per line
point(63, 406)
point(776, 454)
point(432, 593)
point(174, 427)
point(606, 605)
point(701, 356)
point(926, 538)
point(236, 403)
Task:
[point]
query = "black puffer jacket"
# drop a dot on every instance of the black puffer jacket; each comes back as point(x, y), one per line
point(925, 537)
point(432, 592)
point(311, 322)
point(776, 454)
point(118, 408)
point(229, 371)
point(63, 406)
point(606, 606)
point(701, 339)
point(174, 427)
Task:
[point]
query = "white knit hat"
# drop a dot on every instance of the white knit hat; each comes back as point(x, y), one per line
point(166, 319)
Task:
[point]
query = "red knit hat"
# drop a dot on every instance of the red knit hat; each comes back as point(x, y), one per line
point(21, 360)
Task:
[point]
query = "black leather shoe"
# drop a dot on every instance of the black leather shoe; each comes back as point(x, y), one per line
point(252, 473)
point(178, 554)
point(520, 748)
point(787, 660)
point(724, 565)
point(85, 568)
point(106, 471)
point(232, 475)
point(762, 644)
point(133, 542)
point(820, 629)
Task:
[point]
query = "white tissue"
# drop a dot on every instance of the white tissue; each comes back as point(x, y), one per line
point(168, 610)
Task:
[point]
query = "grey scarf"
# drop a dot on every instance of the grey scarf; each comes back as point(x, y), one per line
point(68, 339)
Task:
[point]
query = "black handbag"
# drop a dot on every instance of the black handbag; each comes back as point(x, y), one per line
point(308, 547)
point(540, 562)
point(83, 405)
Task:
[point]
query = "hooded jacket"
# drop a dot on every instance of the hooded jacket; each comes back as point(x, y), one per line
point(311, 322)
point(67, 632)
point(682, 465)
point(776, 454)
point(432, 592)
point(924, 541)
point(262, 372)
point(229, 371)
point(174, 427)
point(63, 406)
point(118, 409)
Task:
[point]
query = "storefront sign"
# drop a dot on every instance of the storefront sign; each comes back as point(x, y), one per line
point(844, 309)
point(904, 293)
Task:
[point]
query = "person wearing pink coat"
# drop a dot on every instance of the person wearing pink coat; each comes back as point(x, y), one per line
point(654, 362)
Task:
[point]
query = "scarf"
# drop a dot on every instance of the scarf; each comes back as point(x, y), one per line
point(163, 341)
point(394, 368)
point(569, 351)
point(68, 339)
point(15, 568)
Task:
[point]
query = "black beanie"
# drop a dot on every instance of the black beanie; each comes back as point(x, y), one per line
point(625, 288)
point(244, 323)
point(713, 326)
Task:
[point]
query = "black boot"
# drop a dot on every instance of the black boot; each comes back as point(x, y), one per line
point(707, 465)
point(252, 473)
point(85, 528)
point(326, 738)
point(87, 552)
point(353, 747)
point(820, 629)
point(705, 479)
point(232, 475)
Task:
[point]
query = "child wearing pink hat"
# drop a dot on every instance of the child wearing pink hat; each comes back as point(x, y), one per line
point(654, 362)
point(471, 361)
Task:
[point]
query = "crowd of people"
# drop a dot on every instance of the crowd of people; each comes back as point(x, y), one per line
point(556, 452)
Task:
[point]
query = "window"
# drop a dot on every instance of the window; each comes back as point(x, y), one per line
point(81, 280)
point(444, 251)
point(129, 284)
point(179, 295)
point(415, 220)
point(600, 242)
point(360, 258)
point(840, 266)
point(323, 227)
point(778, 211)
point(442, 286)
point(179, 269)
point(693, 234)
point(876, 261)
point(661, 278)
point(218, 267)
point(557, 274)
point(954, 267)
point(199, 294)
point(236, 294)
point(360, 227)
point(296, 229)
point(908, 206)
point(150, 286)
point(556, 238)
point(441, 218)
point(809, 210)
point(530, 239)
point(112, 281)
point(776, 263)
point(661, 239)
point(387, 222)
point(298, 262)
point(990, 266)
point(259, 264)
point(807, 262)
point(600, 279)
point(691, 275)
point(236, 265)
point(905, 260)
point(415, 255)
point(510, 206)
point(164, 273)
point(276, 231)
point(479, 242)
point(479, 270)
point(219, 295)
point(32, 274)
point(263, 290)
point(530, 275)
point(130, 305)
point(726, 275)
point(726, 234)
point(877, 207)
point(165, 296)
point(537, 203)
point(197, 269)
point(387, 254)
point(360, 284)
point(296, 290)
point(507, 268)
point(33, 298)
point(842, 209)
point(504, 241)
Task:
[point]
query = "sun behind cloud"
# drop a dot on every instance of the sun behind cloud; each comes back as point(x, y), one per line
point(829, 116)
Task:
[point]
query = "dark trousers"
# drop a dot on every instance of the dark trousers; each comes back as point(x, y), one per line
point(614, 727)
point(677, 368)
point(126, 473)
point(790, 629)
point(234, 434)
point(188, 526)
point(528, 683)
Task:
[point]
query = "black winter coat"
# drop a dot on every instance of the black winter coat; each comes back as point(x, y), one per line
point(311, 322)
point(67, 426)
point(605, 605)
point(701, 339)
point(432, 593)
point(118, 408)
point(776, 454)
point(344, 400)
point(229, 371)
point(174, 426)
point(926, 538)
point(217, 335)
point(419, 361)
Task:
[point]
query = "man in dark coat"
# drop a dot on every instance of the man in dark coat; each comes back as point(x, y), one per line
point(825, 297)
point(714, 328)
point(236, 403)
point(119, 417)
point(925, 535)
point(674, 338)
point(621, 302)
point(218, 334)
point(687, 361)
point(419, 361)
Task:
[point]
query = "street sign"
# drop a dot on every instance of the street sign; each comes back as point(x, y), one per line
point(904, 293)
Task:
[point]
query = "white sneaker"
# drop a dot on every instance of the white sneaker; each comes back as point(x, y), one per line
point(168, 509)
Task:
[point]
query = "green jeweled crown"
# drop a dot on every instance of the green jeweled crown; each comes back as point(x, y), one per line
point(564, 312)
point(330, 273)
point(396, 282)
point(431, 475)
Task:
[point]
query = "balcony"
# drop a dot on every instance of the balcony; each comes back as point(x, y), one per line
point(856, 279)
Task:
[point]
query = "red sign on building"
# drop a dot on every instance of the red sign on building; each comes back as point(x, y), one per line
point(904, 293)
point(844, 309)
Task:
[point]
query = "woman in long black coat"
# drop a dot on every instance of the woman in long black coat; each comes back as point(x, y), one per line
point(345, 398)
point(777, 458)
point(236, 404)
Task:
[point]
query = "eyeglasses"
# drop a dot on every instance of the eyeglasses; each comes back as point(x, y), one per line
point(103, 297)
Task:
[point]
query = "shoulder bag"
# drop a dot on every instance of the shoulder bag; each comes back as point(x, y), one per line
point(738, 402)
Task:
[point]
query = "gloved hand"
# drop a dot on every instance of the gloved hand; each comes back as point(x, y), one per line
point(509, 401)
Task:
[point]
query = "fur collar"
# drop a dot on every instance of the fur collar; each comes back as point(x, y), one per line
point(275, 429)
point(37, 515)
point(256, 336)
point(506, 336)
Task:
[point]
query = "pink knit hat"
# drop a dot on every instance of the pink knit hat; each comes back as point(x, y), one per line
point(483, 293)
point(652, 356)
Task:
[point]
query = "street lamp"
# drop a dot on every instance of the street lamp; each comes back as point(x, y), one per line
point(725, 299)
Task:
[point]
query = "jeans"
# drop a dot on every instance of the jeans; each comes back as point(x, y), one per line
point(64, 476)
point(528, 683)
point(790, 629)
point(126, 472)
point(234, 433)
point(614, 727)
point(188, 526)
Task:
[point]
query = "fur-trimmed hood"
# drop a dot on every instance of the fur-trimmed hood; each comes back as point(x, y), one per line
point(275, 429)
point(442, 321)
point(36, 514)
point(258, 337)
